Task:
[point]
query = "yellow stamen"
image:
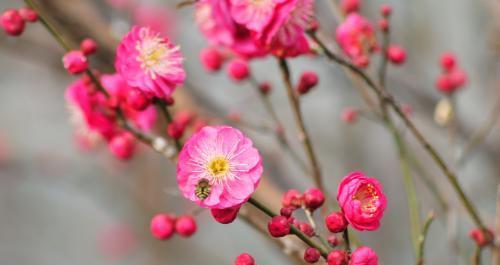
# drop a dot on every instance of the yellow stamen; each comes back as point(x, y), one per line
point(218, 167)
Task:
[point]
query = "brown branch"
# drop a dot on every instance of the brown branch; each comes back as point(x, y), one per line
point(299, 121)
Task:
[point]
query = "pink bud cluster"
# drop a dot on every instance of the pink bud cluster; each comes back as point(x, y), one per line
point(13, 21)
point(75, 61)
point(452, 77)
point(164, 226)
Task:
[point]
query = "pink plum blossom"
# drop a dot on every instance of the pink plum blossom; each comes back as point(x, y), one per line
point(218, 168)
point(118, 89)
point(356, 37)
point(285, 34)
point(362, 201)
point(150, 62)
point(214, 20)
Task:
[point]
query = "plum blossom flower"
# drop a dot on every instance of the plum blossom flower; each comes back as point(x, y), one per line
point(150, 62)
point(218, 168)
point(362, 201)
point(214, 20)
point(254, 14)
point(119, 90)
point(285, 34)
point(357, 39)
point(89, 111)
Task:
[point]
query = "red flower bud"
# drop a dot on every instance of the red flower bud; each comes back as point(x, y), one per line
point(307, 81)
point(12, 22)
point(185, 226)
point(225, 216)
point(211, 59)
point(28, 14)
point(88, 46)
point(311, 255)
point(336, 222)
point(162, 226)
point(278, 226)
point(337, 257)
point(313, 198)
point(238, 69)
point(244, 259)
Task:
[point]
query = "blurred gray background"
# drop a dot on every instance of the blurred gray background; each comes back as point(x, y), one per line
point(59, 205)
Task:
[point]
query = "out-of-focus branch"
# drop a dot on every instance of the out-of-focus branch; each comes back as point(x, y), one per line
point(423, 236)
point(299, 121)
point(278, 132)
point(479, 136)
point(496, 243)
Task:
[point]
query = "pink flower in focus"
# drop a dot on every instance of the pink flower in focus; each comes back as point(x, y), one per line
point(214, 19)
point(356, 37)
point(120, 91)
point(364, 256)
point(218, 168)
point(285, 34)
point(362, 201)
point(150, 62)
point(253, 14)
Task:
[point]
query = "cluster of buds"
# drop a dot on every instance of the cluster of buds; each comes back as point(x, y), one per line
point(452, 77)
point(75, 61)
point(13, 21)
point(164, 226)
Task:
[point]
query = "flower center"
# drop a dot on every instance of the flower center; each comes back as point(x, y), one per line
point(368, 197)
point(218, 167)
point(153, 55)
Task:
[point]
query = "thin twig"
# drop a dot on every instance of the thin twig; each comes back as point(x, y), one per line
point(496, 243)
point(303, 134)
point(347, 242)
point(482, 132)
point(293, 230)
point(280, 136)
point(162, 105)
point(423, 236)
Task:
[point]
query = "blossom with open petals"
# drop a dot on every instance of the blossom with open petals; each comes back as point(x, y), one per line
point(150, 62)
point(218, 168)
point(356, 37)
point(362, 201)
